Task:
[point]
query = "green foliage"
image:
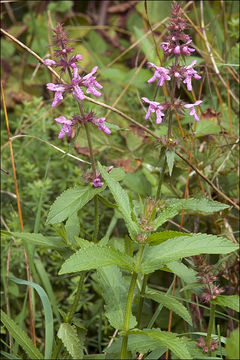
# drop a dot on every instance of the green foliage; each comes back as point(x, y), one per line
point(171, 303)
point(170, 340)
point(174, 249)
point(70, 338)
point(95, 257)
point(230, 301)
point(114, 291)
point(21, 337)
point(232, 345)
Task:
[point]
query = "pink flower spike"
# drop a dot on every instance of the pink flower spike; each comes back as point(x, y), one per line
point(59, 90)
point(91, 83)
point(177, 50)
point(78, 92)
point(49, 62)
point(160, 73)
point(100, 123)
point(192, 109)
point(154, 107)
point(78, 57)
point(165, 46)
point(67, 125)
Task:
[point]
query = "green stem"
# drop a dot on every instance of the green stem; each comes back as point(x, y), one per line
point(72, 312)
point(162, 174)
point(210, 324)
point(96, 218)
point(129, 303)
point(140, 307)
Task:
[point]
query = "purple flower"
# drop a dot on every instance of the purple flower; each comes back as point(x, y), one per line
point(90, 82)
point(154, 107)
point(192, 109)
point(160, 73)
point(59, 90)
point(97, 182)
point(75, 81)
point(100, 123)
point(187, 50)
point(165, 46)
point(67, 125)
point(49, 62)
point(189, 72)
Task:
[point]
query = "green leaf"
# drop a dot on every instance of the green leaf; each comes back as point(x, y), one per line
point(69, 336)
point(170, 160)
point(122, 201)
point(72, 226)
point(159, 237)
point(174, 249)
point(10, 356)
point(181, 270)
point(232, 345)
point(206, 127)
point(136, 343)
point(60, 6)
point(231, 301)
point(37, 239)
point(199, 206)
point(21, 337)
point(170, 340)
point(171, 303)
point(115, 292)
point(70, 201)
point(146, 46)
point(47, 314)
point(96, 257)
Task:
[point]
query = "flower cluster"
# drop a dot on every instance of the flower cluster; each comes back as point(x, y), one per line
point(207, 277)
point(76, 86)
point(202, 344)
point(176, 44)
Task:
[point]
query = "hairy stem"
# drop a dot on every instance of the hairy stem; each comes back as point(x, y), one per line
point(140, 306)
point(162, 174)
point(96, 218)
point(210, 324)
point(129, 303)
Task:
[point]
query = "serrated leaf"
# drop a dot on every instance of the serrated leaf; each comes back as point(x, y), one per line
point(122, 201)
point(69, 336)
point(136, 343)
point(202, 206)
point(174, 249)
point(231, 301)
point(159, 237)
point(115, 292)
point(36, 239)
point(70, 201)
point(181, 270)
point(232, 345)
point(175, 206)
point(96, 257)
point(170, 155)
point(171, 303)
point(170, 340)
point(72, 226)
point(207, 127)
point(21, 337)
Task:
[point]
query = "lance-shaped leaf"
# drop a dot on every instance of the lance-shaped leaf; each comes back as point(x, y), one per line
point(37, 239)
point(115, 292)
point(175, 206)
point(231, 301)
point(171, 303)
point(122, 201)
point(159, 237)
point(177, 248)
point(96, 257)
point(71, 340)
point(21, 337)
point(70, 201)
point(170, 340)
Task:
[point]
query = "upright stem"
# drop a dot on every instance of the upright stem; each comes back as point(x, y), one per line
point(140, 306)
point(96, 218)
point(129, 303)
point(210, 324)
point(162, 174)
